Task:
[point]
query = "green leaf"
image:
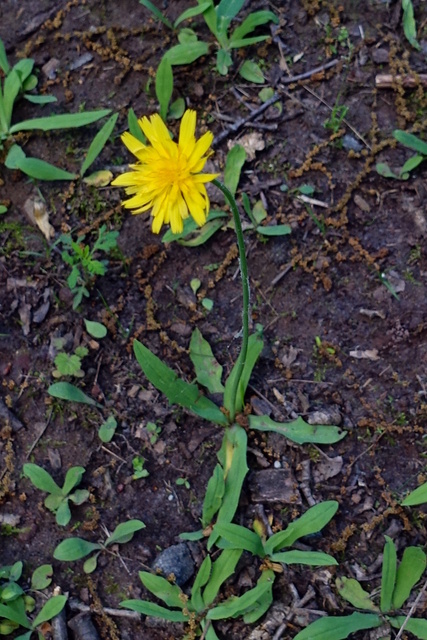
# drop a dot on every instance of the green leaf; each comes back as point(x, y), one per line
point(107, 429)
point(251, 71)
point(154, 610)
point(10, 591)
point(298, 430)
point(124, 532)
point(79, 496)
point(352, 591)
point(39, 99)
point(53, 606)
point(233, 536)
point(200, 581)
point(41, 478)
point(4, 64)
point(208, 370)
point(62, 121)
point(177, 109)
point(414, 625)
point(35, 168)
point(95, 329)
point(15, 571)
point(388, 574)
point(12, 87)
point(223, 61)
point(15, 611)
point(265, 600)
point(134, 127)
point(74, 549)
point(232, 457)
point(409, 25)
point(311, 558)
point(214, 495)
point(42, 577)
point(247, 42)
point(277, 230)
point(186, 53)
point(384, 170)
point(72, 478)
point(411, 141)
point(339, 627)
point(156, 12)
point(234, 607)
point(312, 521)
point(171, 594)
point(164, 85)
point(98, 143)
point(222, 569)
point(233, 167)
point(255, 346)
point(192, 12)
point(63, 513)
point(91, 563)
point(190, 226)
point(226, 11)
point(202, 235)
point(411, 164)
point(253, 21)
point(418, 496)
point(193, 536)
point(176, 390)
point(410, 570)
point(67, 391)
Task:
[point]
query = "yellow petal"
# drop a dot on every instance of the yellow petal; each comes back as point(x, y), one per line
point(186, 132)
point(134, 145)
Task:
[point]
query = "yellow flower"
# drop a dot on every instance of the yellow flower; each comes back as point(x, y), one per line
point(167, 177)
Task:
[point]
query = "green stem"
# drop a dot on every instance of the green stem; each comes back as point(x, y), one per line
point(241, 361)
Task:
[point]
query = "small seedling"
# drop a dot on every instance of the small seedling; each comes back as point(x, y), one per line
point(15, 603)
point(154, 431)
point(411, 142)
point(397, 584)
point(335, 120)
point(138, 468)
point(409, 25)
point(183, 482)
point(58, 498)
point(84, 265)
point(68, 364)
point(77, 548)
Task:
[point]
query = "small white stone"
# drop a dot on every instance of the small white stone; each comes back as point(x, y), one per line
point(170, 497)
point(277, 464)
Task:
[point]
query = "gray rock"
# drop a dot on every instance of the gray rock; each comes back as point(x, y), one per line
point(274, 485)
point(350, 142)
point(176, 560)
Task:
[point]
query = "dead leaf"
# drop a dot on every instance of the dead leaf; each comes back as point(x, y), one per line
point(368, 354)
point(99, 178)
point(36, 212)
point(327, 468)
point(371, 313)
point(251, 142)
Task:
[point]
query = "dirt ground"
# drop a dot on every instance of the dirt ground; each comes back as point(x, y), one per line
point(342, 300)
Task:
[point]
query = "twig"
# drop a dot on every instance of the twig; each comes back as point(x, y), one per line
point(411, 611)
point(388, 81)
point(41, 434)
point(75, 605)
point(234, 128)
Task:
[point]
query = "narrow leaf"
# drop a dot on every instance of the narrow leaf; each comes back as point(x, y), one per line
point(411, 141)
point(418, 496)
point(276, 230)
point(311, 558)
point(233, 536)
point(312, 521)
point(410, 570)
point(53, 606)
point(416, 626)
point(190, 226)
point(74, 549)
point(156, 12)
point(134, 127)
point(222, 569)
point(72, 478)
point(233, 166)
point(234, 607)
point(192, 12)
point(202, 235)
point(62, 121)
point(409, 26)
point(255, 346)
point(339, 627)
point(214, 494)
point(164, 85)
point(39, 99)
point(171, 594)
point(35, 168)
point(208, 370)
point(388, 574)
point(98, 143)
point(298, 430)
point(200, 581)
point(154, 610)
point(67, 391)
point(15, 611)
point(264, 601)
point(186, 53)
point(253, 21)
point(4, 64)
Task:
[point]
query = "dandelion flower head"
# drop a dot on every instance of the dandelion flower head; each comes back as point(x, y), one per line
point(167, 177)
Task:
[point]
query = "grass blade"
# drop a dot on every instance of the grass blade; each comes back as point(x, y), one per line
point(98, 143)
point(62, 121)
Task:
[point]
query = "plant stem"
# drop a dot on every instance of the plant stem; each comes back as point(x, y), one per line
point(241, 361)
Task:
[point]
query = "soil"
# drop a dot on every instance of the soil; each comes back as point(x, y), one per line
point(342, 301)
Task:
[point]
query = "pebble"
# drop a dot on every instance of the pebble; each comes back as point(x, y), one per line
point(274, 485)
point(176, 560)
point(349, 142)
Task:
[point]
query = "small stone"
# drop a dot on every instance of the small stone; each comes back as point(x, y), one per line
point(177, 561)
point(349, 142)
point(380, 56)
point(274, 485)
point(328, 416)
